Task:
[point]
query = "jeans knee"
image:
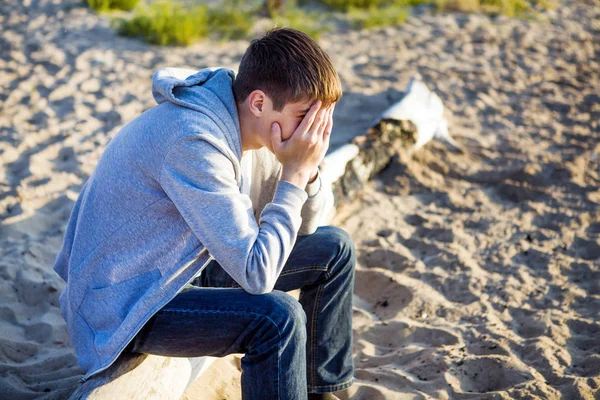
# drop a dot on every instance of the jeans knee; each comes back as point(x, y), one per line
point(282, 323)
point(286, 311)
point(341, 240)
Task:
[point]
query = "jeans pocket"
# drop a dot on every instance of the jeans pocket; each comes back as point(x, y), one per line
point(105, 308)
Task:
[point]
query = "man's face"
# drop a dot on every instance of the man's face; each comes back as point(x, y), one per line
point(290, 117)
point(263, 116)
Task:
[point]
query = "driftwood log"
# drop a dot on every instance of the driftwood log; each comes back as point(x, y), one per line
point(374, 151)
point(148, 377)
point(144, 377)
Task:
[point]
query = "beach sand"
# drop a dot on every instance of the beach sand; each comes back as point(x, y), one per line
point(478, 271)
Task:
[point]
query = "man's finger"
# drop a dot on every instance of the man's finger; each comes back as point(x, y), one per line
point(329, 125)
point(316, 131)
point(275, 136)
point(325, 121)
point(309, 118)
point(320, 122)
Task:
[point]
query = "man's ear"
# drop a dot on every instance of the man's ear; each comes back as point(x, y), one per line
point(257, 100)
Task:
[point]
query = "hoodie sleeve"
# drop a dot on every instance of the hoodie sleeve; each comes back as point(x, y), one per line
point(200, 180)
point(318, 207)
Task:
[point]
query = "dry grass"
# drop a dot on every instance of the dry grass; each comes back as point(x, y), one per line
point(376, 17)
point(107, 5)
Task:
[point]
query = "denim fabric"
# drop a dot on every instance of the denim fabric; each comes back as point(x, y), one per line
point(290, 347)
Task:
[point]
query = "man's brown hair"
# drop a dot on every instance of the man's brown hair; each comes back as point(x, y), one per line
point(289, 67)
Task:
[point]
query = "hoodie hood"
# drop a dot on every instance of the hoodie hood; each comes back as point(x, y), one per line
point(208, 91)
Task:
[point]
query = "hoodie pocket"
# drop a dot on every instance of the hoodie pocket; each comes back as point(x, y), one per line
point(105, 308)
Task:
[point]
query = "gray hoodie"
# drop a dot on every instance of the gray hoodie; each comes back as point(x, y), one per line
point(165, 199)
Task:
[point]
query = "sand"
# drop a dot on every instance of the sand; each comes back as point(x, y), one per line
point(479, 271)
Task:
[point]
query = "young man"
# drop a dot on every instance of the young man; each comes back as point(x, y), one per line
point(219, 184)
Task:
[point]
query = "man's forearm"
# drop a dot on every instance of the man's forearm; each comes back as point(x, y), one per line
point(298, 178)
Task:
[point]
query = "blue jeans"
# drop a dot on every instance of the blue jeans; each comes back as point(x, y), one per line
point(291, 347)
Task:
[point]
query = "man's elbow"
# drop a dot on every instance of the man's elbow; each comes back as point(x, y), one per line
point(307, 229)
point(258, 288)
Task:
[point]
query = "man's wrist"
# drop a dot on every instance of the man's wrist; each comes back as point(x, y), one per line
point(297, 178)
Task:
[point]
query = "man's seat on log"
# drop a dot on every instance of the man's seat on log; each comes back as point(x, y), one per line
point(143, 376)
point(137, 376)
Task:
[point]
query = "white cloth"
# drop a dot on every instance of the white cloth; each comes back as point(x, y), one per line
point(246, 172)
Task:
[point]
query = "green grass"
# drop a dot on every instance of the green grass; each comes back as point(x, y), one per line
point(377, 17)
point(173, 23)
point(230, 22)
point(353, 5)
point(167, 23)
point(510, 8)
point(311, 23)
point(107, 5)
point(377, 13)
point(413, 3)
point(347, 5)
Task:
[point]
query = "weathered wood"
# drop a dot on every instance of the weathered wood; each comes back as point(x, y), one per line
point(144, 377)
point(375, 151)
